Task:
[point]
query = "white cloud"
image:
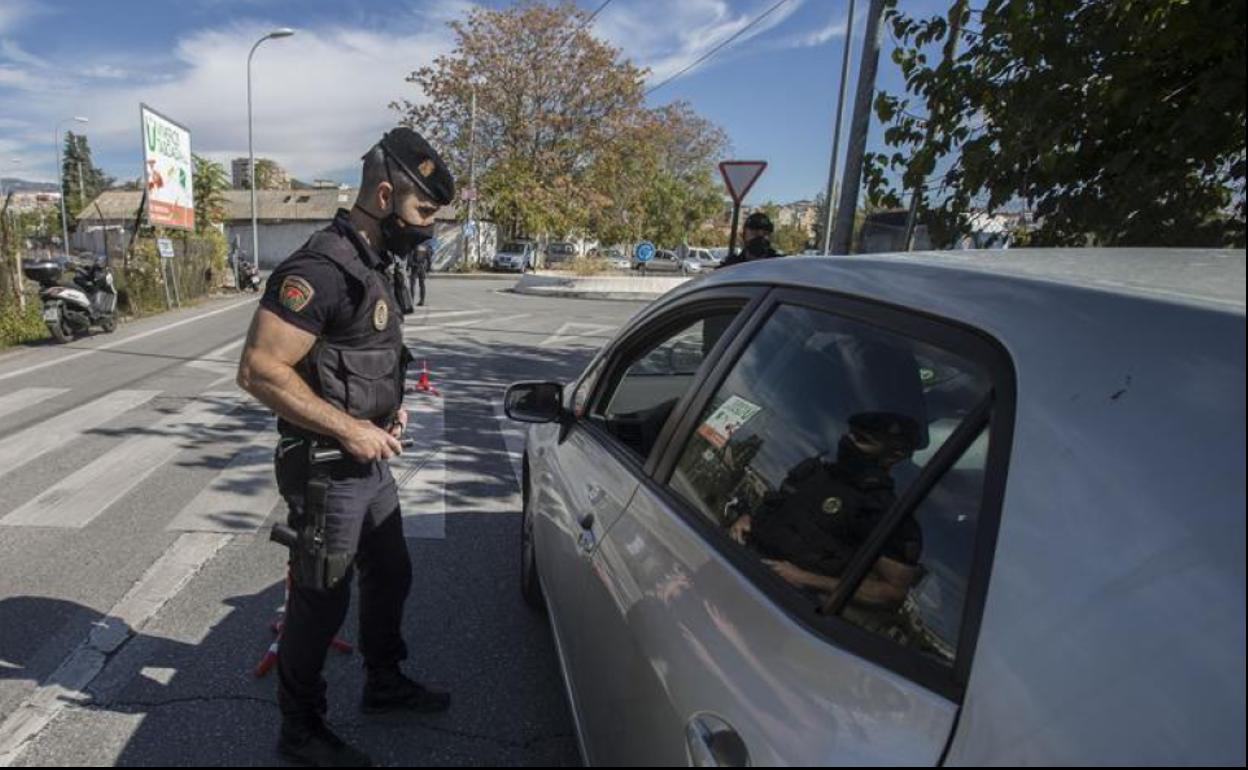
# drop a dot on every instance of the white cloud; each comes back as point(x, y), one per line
point(320, 98)
point(10, 50)
point(106, 72)
point(667, 37)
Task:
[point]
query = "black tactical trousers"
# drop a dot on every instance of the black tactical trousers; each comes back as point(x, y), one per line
point(418, 277)
point(362, 511)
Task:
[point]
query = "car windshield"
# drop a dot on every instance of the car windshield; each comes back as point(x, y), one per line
point(512, 248)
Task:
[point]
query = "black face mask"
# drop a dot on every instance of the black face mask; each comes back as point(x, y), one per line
point(757, 246)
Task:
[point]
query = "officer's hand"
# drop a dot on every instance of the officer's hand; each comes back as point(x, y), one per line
point(398, 425)
point(367, 443)
point(793, 575)
point(740, 529)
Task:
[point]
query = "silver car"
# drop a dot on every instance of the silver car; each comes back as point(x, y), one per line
point(956, 508)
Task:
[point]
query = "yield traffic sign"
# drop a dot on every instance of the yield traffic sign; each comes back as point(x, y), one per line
point(740, 176)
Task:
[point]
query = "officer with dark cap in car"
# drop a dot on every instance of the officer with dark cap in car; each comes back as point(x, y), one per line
point(325, 351)
point(756, 235)
point(810, 529)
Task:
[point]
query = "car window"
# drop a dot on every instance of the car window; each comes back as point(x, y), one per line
point(636, 406)
point(818, 429)
point(926, 615)
point(585, 388)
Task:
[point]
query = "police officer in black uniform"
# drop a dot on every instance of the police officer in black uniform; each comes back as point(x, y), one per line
point(325, 351)
point(756, 235)
point(421, 264)
point(810, 529)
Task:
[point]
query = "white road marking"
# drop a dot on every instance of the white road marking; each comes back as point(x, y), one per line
point(69, 683)
point(76, 501)
point(513, 439)
point(23, 447)
point(573, 331)
point(27, 397)
point(123, 341)
point(218, 360)
point(421, 471)
point(439, 314)
point(478, 321)
point(240, 498)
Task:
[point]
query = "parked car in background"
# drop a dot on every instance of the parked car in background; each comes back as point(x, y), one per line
point(668, 261)
point(910, 509)
point(559, 253)
point(516, 256)
point(615, 256)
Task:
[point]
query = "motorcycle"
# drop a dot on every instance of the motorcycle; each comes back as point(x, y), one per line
point(248, 276)
point(72, 309)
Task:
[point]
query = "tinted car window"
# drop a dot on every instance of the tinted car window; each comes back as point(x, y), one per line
point(654, 380)
point(929, 617)
point(818, 429)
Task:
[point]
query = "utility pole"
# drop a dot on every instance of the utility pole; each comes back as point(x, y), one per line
point(826, 241)
point(843, 234)
point(472, 179)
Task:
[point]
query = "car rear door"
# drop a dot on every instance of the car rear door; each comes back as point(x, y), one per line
point(704, 651)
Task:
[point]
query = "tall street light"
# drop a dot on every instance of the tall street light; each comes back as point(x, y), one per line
point(60, 178)
point(251, 155)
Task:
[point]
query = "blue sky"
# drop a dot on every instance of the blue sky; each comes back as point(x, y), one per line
point(321, 97)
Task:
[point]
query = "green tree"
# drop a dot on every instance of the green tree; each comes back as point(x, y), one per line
point(82, 180)
point(564, 142)
point(211, 182)
point(1115, 122)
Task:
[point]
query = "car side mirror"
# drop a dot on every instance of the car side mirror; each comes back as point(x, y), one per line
point(534, 402)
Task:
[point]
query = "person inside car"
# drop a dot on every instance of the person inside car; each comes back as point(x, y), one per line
point(809, 530)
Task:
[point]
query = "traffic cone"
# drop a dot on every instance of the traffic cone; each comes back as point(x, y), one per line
point(277, 625)
point(423, 385)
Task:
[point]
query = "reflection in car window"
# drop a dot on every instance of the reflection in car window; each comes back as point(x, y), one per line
point(656, 379)
point(929, 616)
point(817, 430)
point(580, 397)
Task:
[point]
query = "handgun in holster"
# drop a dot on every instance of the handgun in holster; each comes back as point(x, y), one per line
point(312, 563)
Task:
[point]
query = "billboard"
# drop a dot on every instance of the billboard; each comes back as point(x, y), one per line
point(167, 169)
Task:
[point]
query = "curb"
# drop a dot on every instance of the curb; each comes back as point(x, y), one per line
point(622, 288)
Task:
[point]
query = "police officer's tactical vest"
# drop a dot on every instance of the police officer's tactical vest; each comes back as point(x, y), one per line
point(357, 366)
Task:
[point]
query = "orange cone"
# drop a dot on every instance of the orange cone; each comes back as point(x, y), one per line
point(270, 655)
point(423, 385)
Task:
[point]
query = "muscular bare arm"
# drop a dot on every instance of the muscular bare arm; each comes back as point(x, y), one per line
point(267, 371)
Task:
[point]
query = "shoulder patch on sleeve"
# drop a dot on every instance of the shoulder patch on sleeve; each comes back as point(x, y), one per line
point(295, 293)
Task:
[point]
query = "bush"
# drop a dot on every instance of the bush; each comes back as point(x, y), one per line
point(588, 266)
point(200, 266)
point(17, 326)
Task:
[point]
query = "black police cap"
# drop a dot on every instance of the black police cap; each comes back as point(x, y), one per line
point(759, 221)
point(416, 157)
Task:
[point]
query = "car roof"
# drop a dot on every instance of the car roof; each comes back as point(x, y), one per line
point(1206, 277)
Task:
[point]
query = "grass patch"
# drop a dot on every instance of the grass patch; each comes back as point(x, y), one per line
point(18, 327)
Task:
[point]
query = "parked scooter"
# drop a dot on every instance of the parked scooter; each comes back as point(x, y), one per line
point(248, 276)
point(72, 309)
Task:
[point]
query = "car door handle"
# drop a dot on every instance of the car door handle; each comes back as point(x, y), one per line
point(714, 743)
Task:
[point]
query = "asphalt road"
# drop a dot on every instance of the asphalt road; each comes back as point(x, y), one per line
point(138, 585)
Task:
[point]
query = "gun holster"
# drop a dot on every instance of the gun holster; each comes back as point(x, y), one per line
point(312, 563)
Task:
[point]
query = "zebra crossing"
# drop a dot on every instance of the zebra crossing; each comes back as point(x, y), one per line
point(224, 429)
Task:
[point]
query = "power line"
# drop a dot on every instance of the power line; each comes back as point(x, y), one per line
point(719, 47)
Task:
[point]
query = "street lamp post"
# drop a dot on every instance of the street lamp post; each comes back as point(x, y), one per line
point(60, 178)
point(251, 155)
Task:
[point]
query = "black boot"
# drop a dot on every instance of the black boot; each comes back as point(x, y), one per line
point(313, 744)
point(388, 690)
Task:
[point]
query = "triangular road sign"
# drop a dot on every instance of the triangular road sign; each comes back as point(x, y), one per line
point(740, 176)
